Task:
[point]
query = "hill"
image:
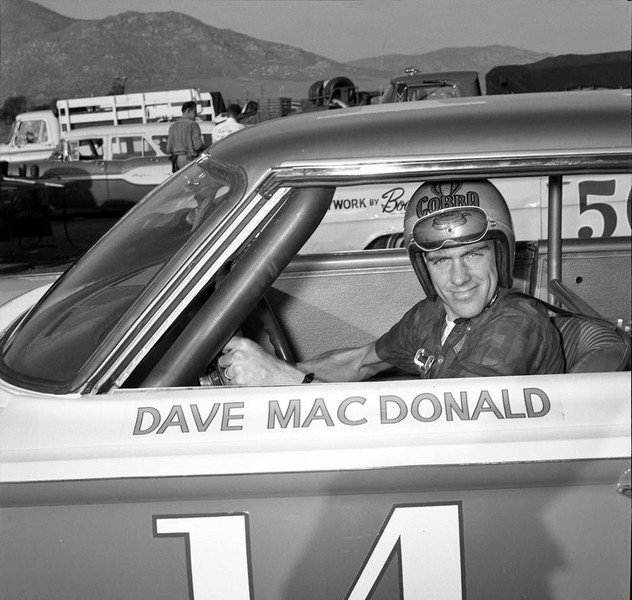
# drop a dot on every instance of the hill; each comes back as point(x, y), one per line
point(469, 58)
point(68, 57)
point(150, 51)
point(46, 55)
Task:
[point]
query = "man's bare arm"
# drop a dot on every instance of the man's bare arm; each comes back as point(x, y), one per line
point(247, 364)
point(347, 364)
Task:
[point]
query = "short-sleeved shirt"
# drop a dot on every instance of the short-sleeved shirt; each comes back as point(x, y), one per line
point(225, 128)
point(512, 336)
point(185, 137)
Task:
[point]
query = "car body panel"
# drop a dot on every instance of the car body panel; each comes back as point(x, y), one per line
point(461, 127)
point(313, 546)
point(313, 495)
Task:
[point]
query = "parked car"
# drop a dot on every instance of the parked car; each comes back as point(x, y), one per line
point(128, 470)
point(112, 167)
point(414, 85)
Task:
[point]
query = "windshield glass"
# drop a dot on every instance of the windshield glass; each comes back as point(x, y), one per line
point(86, 304)
point(425, 90)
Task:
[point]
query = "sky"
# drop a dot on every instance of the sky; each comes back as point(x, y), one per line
point(346, 30)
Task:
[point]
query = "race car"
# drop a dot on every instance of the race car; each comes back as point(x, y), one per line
point(129, 466)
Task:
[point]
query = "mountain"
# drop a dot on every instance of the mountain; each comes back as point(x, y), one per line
point(480, 59)
point(45, 56)
point(22, 21)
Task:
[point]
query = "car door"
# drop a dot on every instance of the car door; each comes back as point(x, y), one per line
point(31, 140)
point(136, 166)
point(83, 164)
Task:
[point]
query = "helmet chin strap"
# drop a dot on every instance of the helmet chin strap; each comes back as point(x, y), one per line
point(487, 306)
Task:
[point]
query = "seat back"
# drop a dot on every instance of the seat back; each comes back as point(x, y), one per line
point(592, 347)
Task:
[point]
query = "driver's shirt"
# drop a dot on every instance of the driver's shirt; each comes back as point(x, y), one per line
point(512, 336)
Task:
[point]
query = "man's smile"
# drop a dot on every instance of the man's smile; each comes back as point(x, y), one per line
point(465, 294)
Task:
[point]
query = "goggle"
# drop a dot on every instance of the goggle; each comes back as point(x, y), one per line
point(451, 227)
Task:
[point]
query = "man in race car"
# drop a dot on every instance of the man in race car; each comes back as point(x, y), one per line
point(461, 244)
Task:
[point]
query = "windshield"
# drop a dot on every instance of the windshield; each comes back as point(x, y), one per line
point(425, 90)
point(86, 304)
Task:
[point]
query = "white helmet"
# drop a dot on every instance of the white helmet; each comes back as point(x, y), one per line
point(442, 214)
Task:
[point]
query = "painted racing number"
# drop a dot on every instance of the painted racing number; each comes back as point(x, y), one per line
point(426, 537)
point(218, 553)
point(609, 214)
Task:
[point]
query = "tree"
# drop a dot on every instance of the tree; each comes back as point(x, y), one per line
point(12, 106)
point(118, 86)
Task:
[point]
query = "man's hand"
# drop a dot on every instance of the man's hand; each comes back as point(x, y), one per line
point(246, 363)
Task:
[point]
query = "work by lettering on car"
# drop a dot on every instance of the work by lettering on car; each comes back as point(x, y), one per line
point(125, 460)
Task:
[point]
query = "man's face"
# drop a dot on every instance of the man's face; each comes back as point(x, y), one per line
point(465, 277)
point(191, 113)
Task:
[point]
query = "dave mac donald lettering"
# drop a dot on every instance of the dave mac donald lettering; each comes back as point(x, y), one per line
point(302, 413)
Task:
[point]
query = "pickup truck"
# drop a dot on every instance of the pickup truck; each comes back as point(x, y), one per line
point(414, 85)
point(129, 468)
point(36, 134)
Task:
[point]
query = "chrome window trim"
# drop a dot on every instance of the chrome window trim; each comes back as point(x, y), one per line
point(171, 300)
point(520, 163)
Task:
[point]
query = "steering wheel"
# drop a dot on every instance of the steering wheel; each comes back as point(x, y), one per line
point(261, 320)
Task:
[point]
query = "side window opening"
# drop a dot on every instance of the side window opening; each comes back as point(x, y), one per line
point(86, 149)
point(131, 146)
point(161, 142)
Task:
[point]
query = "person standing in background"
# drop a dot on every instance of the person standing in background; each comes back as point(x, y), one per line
point(230, 125)
point(185, 141)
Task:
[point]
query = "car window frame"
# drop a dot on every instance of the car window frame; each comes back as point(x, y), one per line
point(289, 175)
point(115, 365)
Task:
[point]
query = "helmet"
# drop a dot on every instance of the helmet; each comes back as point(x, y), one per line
point(443, 214)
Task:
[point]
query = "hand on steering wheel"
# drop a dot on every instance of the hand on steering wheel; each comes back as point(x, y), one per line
point(260, 319)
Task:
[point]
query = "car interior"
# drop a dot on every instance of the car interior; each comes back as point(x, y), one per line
point(321, 302)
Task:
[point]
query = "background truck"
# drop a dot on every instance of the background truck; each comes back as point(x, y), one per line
point(36, 134)
point(414, 85)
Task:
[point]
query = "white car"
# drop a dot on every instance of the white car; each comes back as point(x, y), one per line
point(111, 167)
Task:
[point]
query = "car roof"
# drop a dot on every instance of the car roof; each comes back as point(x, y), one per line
point(553, 122)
